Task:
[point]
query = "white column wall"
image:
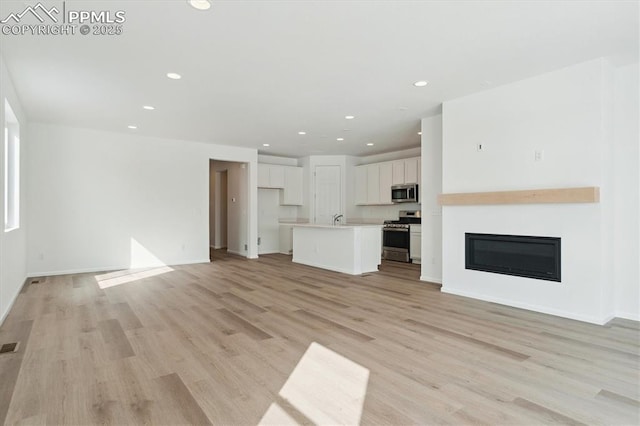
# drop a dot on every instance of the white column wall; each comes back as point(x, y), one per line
point(565, 114)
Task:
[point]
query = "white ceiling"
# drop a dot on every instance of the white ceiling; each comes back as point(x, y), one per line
point(258, 72)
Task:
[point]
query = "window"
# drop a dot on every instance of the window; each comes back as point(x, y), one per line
point(11, 169)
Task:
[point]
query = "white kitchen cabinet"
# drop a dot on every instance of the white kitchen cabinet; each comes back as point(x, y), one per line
point(276, 176)
point(292, 193)
point(263, 176)
point(361, 185)
point(386, 179)
point(415, 243)
point(270, 176)
point(287, 178)
point(398, 172)
point(411, 170)
point(373, 184)
point(286, 238)
point(405, 171)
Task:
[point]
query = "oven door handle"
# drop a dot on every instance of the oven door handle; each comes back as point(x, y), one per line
point(395, 230)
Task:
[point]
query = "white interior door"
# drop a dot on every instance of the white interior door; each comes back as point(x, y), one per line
point(328, 193)
point(268, 224)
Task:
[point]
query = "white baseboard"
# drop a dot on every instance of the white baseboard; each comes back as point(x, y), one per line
point(633, 316)
point(535, 308)
point(12, 301)
point(431, 279)
point(236, 253)
point(108, 268)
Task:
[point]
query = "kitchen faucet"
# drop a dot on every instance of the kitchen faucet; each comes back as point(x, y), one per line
point(336, 218)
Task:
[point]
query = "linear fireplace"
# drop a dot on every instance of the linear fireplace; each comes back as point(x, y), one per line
point(523, 256)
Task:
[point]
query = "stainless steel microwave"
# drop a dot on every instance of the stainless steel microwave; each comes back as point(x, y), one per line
point(404, 193)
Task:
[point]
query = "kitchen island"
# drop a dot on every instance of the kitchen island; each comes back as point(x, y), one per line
point(351, 249)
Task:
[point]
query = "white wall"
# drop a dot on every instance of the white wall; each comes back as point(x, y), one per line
point(274, 159)
point(389, 156)
point(98, 200)
point(237, 209)
point(431, 268)
point(626, 186)
point(564, 114)
point(13, 263)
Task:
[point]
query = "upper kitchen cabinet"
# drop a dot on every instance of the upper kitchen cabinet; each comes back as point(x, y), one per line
point(406, 171)
point(287, 178)
point(292, 193)
point(411, 167)
point(398, 172)
point(270, 176)
point(373, 181)
point(386, 179)
point(373, 184)
point(361, 185)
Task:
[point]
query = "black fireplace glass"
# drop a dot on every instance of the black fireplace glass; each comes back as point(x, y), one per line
point(519, 255)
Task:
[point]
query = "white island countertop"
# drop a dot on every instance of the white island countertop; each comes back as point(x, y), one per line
point(351, 249)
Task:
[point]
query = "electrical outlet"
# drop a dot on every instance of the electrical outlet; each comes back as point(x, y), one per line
point(245, 247)
point(259, 239)
point(538, 155)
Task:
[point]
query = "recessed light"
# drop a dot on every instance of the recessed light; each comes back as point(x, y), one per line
point(349, 117)
point(340, 139)
point(174, 76)
point(421, 83)
point(132, 127)
point(370, 144)
point(200, 4)
point(148, 107)
point(302, 133)
point(265, 144)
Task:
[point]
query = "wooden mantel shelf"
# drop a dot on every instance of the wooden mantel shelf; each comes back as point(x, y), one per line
point(589, 194)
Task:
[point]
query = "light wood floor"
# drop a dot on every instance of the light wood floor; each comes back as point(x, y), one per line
point(247, 341)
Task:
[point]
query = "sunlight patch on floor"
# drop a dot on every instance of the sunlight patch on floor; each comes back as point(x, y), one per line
point(113, 279)
point(276, 416)
point(325, 387)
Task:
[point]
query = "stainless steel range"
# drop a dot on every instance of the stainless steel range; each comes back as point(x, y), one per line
point(395, 236)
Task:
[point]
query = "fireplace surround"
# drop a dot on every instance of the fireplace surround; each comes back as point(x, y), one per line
point(519, 255)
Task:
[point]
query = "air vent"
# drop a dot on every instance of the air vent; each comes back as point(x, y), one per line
point(9, 348)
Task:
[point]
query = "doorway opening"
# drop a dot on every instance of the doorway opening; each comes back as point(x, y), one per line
point(228, 206)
